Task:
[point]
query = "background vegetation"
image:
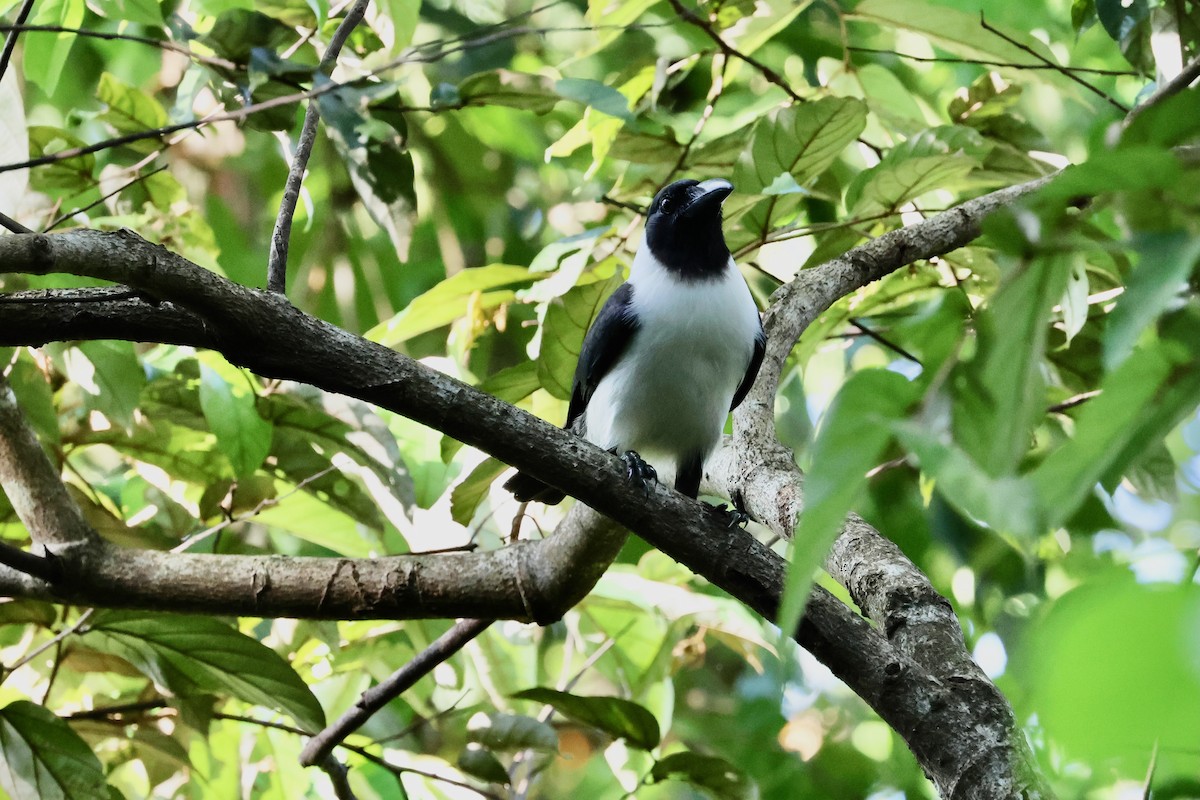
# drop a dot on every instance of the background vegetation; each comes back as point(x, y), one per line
point(1018, 415)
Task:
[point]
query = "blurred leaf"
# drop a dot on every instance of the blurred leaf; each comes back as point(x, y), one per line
point(957, 31)
point(44, 64)
point(594, 94)
point(450, 299)
point(14, 138)
point(470, 492)
point(511, 732)
point(188, 655)
point(238, 31)
point(715, 775)
point(853, 434)
point(1111, 669)
point(146, 12)
point(504, 87)
point(36, 398)
point(71, 173)
point(621, 719)
point(1000, 394)
point(482, 764)
point(41, 758)
point(232, 414)
point(1164, 264)
point(109, 373)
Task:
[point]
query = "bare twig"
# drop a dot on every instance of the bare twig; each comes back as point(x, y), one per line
point(1051, 65)
point(61, 218)
point(1187, 76)
point(277, 263)
point(12, 225)
point(986, 63)
point(162, 44)
point(384, 692)
point(771, 75)
point(63, 634)
point(11, 43)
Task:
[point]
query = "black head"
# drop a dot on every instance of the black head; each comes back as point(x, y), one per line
point(683, 229)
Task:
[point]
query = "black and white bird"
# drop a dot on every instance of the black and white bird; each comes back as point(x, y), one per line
point(674, 349)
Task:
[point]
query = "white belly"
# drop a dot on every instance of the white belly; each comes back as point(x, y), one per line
point(669, 394)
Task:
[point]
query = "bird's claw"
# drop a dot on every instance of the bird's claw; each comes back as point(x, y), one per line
point(734, 517)
point(638, 471)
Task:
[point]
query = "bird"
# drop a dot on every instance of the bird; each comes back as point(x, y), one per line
point(673, 350)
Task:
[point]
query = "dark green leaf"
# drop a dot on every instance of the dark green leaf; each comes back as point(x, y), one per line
point(595, 94)
point(504, 87)
point(480, 763)
point(190, 655)
point(567, 321)
point(41, 758)
point(70, 173)
point(1165, 262)
point(715, 775)
point(238, 31)
point(621, 719)
point(511, 732)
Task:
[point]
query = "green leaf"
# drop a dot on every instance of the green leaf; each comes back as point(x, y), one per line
point(232, 413)
point(109, 373)
point(511, 732)
point(238, 31)
point(935, 158)
point(1000, 394)
point(41, 758)
point(595, 94)
point(72, 173)
point(44, 64)
point(1138, 404)
point(190, 655)
point(1166, 124)
point(482, 764)
point(1111, 669)
point(451, 299)
point(469, 493)
point(145, 12)
point(621, 719)
point(503, 87)
point(33, 392)
point(130, 110)
point(853, 435)
point(1164, 264)
point(715, 775)
point(567, 321)
point(800, 140)
point(960, 32)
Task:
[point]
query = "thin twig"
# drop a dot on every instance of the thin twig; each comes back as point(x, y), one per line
point(883, 341)
point(11, 43)
point(1051, 65)
point(339, 777)
point(1121, 73)
point(1187, 76)
point(771, 75)
point(1072, 402)
point(277, 263)
point(12, 225)
point(64, 633)
point(384, 692)
point(162, 44)
point(84, 209)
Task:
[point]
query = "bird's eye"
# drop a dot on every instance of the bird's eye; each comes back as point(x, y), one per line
point(665, 205)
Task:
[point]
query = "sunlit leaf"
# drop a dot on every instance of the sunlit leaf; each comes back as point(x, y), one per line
point(188, 655)
point(232, 413)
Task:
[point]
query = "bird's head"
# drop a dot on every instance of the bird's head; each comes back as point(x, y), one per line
point(683, 229)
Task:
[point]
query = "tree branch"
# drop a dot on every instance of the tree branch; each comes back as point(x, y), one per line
point(280, 237)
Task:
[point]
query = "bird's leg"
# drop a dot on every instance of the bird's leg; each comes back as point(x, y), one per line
point(637, 470)
point(735, 516)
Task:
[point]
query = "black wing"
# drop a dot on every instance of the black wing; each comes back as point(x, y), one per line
point(760, 347)
point(604, 343)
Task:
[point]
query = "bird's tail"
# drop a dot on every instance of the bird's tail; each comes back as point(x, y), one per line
point(528, 489)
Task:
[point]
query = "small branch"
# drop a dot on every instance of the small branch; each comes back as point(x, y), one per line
point(1122, 73)
point(460, 634)
point(771, 75)
point(277, 263)
point(11, 43)
point(45, 567)
point(1051, 65)
point(12, 225)
point(884, 341)
point(339, 777)
point(60, 219)
point(162, 44)
point(1189, 75)
point(63, 634)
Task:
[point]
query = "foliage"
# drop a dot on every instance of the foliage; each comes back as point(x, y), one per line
point(1020, 415)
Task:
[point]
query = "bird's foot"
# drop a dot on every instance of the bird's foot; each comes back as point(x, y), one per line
point(735, 517)
point(638, 471)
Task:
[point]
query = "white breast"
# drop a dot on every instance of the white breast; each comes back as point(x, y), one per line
point(669, 394)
